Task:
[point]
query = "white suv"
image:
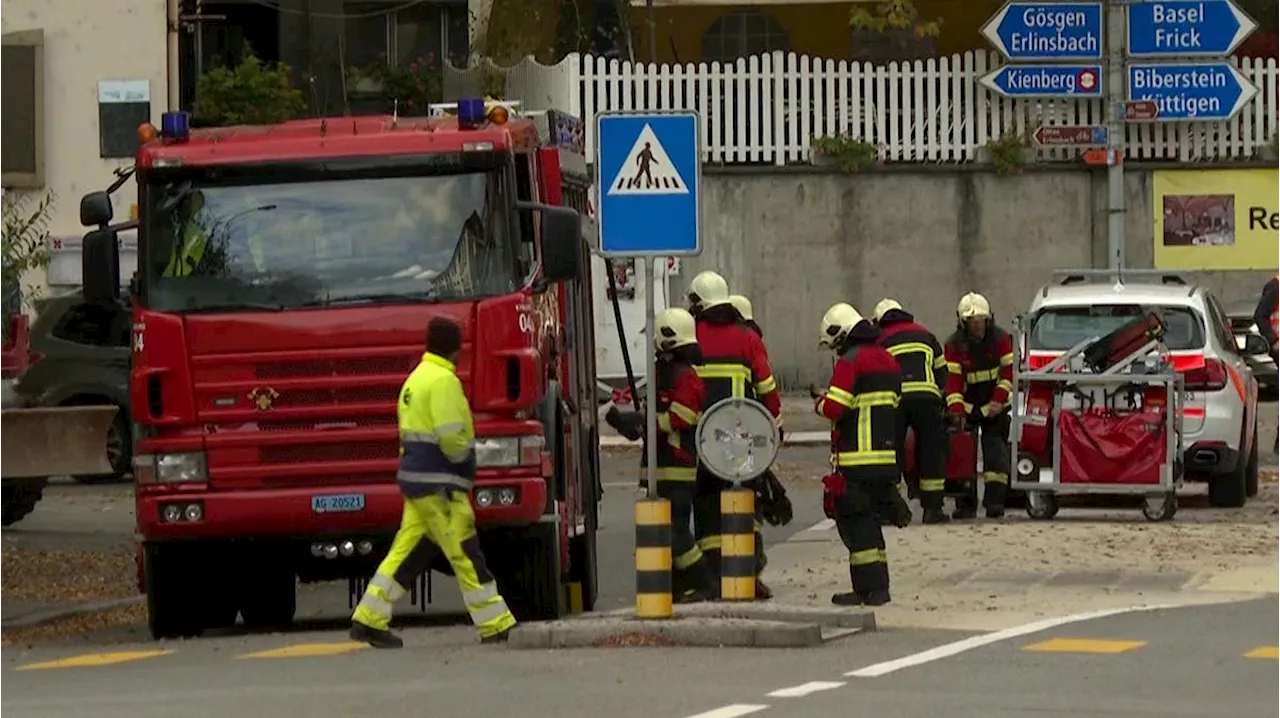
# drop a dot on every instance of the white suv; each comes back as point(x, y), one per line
point(1220, 432)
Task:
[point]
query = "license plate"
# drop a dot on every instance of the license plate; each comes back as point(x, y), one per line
point(337, 503)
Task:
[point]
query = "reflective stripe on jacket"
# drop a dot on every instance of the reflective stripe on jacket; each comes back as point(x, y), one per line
point(921, 358)
point(187, 252)
point(862, 402)
point(437, 436)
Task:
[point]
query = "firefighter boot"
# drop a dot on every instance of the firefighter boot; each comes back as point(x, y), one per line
point(763, 592)
point(935, 515)
point(875, 598)
point(966, 503)
point(695, 584)
point(848, 598)
point(374, 637)
point(994, 490)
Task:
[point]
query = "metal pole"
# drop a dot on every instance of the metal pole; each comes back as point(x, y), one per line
point(1116, 96)
point(650, 384)
point(653, 31)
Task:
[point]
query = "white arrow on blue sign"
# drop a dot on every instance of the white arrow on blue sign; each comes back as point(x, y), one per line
point(1187, 28)
point(1026, 31)
point(1045, 80)
point(1204, 91)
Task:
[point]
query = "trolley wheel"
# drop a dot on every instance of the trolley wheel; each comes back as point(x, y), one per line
point(1161, 507)
point(1042, 505)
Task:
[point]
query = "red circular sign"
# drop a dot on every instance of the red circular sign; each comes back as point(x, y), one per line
point(1087, 80)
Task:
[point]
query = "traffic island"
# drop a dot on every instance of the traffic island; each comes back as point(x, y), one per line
point(756, 625)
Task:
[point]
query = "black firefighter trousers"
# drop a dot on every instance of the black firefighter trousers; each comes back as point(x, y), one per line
point(690, 568)
point(865, 505)
point(924, 416)
point(706, 522)
point(994, 440)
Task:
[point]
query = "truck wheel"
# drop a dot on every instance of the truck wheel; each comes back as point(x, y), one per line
point(583, 567)
point(20, 497)
point(269, 596)
point(1251, 468)
point(175, 595)
point(532, 588)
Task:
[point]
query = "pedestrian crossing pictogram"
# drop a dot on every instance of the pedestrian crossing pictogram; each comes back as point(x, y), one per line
point(648, 169)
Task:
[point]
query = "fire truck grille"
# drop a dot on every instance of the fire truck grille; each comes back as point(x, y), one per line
point(335, 367)
point(328, 452)
point(337, 397)
point(361, 422)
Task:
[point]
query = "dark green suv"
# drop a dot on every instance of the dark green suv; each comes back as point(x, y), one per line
point(80, 356)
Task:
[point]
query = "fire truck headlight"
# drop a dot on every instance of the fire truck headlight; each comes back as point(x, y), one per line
point(181, 468)
point(498, 451)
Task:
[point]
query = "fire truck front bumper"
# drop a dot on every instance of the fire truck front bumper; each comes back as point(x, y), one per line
point(500, 498)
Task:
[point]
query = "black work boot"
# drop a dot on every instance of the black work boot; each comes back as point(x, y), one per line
point(995, 512)
point(500, 637)
point(375, 637)
point(763, 592)
point(935, 515)
point(875, 598)
point(848, 598)
point(964, 512)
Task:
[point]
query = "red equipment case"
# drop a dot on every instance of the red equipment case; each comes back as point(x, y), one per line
point(1112, 448)
point(962, 456)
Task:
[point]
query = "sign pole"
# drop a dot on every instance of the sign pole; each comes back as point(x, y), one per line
point(650, 384)
point(1116, 96)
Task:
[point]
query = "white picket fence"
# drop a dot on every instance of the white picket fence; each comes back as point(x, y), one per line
point(766, 109)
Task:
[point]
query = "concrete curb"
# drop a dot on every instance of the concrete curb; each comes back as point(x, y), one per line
point(799, 438)
point(53, 614)
point(700, 625)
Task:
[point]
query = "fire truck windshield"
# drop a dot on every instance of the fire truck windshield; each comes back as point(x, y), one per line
point(212, 245)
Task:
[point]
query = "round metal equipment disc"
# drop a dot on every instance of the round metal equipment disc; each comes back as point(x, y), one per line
point(737, 439)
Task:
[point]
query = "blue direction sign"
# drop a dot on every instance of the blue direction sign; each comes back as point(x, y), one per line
point(1028, 31)
point(649, 172)
point(1045, 80)
point(1191, 91)
point(1187, 28)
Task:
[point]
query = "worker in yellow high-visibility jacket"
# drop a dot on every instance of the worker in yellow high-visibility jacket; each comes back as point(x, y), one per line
point(437, 469)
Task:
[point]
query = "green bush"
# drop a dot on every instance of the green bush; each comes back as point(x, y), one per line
point(26, 242)
point(251, 93)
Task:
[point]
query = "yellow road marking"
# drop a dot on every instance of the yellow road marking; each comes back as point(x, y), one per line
point(90, 660)
point(1271, 652)
point(308, 650)
point(1084, 645)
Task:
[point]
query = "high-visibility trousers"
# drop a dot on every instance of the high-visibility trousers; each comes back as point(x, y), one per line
point(428, 526)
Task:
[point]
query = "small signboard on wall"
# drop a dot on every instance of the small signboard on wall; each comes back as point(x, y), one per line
point(122, 106)
point(64, 259)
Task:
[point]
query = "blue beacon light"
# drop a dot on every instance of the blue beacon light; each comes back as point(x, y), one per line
point(175, 125)
point(471, 112)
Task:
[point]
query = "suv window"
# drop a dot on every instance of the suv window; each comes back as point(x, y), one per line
point(1060, 328)
point(1221, 324)
point(95, 325)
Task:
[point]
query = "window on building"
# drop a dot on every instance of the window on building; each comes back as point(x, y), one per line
point(391, 32)
point(22, 94)
point(743, 34)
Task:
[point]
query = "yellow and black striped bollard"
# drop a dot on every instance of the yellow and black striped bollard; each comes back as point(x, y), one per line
point(653, 558)
point(738, 545)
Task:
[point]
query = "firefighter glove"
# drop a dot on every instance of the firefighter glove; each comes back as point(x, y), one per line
point(629, 424)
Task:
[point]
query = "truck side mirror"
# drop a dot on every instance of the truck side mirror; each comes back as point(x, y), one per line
point(561, 244)
point(96, 209)
point(100, 266)
point(1254, 345)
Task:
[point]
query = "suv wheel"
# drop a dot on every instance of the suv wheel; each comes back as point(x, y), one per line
point(119, 451)
point(1251, 468)
point(1230, 491)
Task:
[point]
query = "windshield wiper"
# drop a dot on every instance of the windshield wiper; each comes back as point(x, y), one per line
point(235, 306)
point(418, 298)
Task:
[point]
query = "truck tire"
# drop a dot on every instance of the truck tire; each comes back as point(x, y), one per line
point(20, 497)
point(529, 576)
point(176, 599)
point(269, 594)
point(583, 563)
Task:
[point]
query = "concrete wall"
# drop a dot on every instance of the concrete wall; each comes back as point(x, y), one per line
point(797, 242)
point(118, 40)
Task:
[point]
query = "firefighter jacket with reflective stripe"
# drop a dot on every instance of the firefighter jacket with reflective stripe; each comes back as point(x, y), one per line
point(862, 404)
point(979, 372)
point(437, 437)
point(735, 364)
point(681, 397)
point(919, 355)
point(187, 252)
point(1267, 314)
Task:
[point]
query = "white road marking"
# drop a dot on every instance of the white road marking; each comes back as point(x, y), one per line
point(730, 711)
point(823, 525)
point(968, 644)
point(805, 689)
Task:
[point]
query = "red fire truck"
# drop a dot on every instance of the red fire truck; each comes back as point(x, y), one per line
point(286, 276)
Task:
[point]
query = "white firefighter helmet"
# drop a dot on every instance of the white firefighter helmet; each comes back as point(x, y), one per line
point(743, 305)
point(674, 327)
point(839, 320)
point(973, 305)
point(708, 290)
point(883, 308)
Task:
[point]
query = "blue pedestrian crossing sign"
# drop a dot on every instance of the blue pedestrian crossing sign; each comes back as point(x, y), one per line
point(649, 175)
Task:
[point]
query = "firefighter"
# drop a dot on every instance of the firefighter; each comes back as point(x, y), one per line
point(924, 376)
point(734, 364)
point(861, 401)
point(979, 381)
point(1267, 318)
point(437, 469)
point(772, 504)
point(191, 239)
point(681, 396)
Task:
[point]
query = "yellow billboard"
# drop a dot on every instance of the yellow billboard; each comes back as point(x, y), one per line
point(1216, 219)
